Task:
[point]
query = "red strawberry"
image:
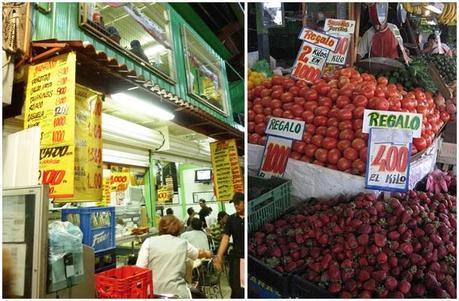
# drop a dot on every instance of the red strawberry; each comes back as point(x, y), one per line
point(381, 258)
point(345, 295)
point(334, 287)
point(275, 252)
point(292, 246)
point(435, 239)
point(334, 273)
point(390, 283)
point(394, 235)
point(415, 258)
point(347, 264)
point(299, 239)
point(299, 218)
point(369, 285)
point(363, 261)
point(419, 290)
point(290, 266)
point(260, 235)
point(379, 275)
point(364, 275)
point(363, 239)
point(261, 250)
point(380, 240)
point(365, 295)
point(325, 261)
point(350, 285)
point(323, 240)
point(296, 256)
point(406, 248)
point(404, 286)
point(379, 206)
point(268, 228)
point(315, 267)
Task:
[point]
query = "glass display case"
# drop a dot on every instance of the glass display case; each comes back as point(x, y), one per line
point(141, 30)
point(205, 73)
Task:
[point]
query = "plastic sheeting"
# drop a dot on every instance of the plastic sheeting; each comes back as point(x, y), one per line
point(310, 180)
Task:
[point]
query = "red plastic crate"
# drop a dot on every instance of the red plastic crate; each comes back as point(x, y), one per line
point(125, 282)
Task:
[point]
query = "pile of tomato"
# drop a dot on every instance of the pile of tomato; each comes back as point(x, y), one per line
point(332, 108)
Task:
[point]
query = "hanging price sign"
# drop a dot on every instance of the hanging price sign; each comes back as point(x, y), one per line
point(310, 62)
point(343, 30)
point(281, 133)
point(388, 159)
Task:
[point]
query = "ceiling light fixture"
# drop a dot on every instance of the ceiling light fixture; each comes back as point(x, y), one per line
point(140, 106)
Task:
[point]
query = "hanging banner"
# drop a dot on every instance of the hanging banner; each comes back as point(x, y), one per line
point(388, 167)
point(50, 104)
point(226, 171)
point(310, 62)
point(88, 145)
point(392, 120)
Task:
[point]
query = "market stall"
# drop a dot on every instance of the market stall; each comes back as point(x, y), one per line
point(343, 145)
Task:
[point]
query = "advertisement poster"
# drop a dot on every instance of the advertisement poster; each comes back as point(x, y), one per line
point(275, 157)
point(388, 167)
point(343, 30)
point(50, 104)
point(226, 171)
point(88, 145)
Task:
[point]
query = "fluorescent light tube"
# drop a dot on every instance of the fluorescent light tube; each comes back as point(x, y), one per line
point(140, 106)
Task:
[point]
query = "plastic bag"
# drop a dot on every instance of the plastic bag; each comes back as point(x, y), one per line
point(65, 255)
point(263, 67)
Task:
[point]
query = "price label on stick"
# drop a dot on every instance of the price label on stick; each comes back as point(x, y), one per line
point(388, 160)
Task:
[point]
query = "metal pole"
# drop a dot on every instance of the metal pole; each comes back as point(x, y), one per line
point(341, 11)
point(262, 35)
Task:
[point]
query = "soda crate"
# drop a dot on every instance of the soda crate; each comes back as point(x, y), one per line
point(105, 260)
point(274, 200)
point(272, 281)
point(125, 282)
point(304, 289)
point(96, 223)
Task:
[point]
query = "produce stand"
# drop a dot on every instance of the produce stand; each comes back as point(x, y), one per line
point(345, 233)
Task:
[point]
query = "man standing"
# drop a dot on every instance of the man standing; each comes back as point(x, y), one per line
point(216, 230)
point(234, 227)
point(205, 211)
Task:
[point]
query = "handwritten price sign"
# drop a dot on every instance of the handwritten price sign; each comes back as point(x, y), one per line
point(310, 62)
point(275, 157)
point(389, 159)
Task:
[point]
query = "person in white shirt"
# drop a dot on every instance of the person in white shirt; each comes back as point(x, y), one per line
point(434, 46)
point(197, 237)
point(166, 255)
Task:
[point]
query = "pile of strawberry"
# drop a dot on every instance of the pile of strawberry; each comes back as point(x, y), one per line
point(367, 247)
point(333, 111)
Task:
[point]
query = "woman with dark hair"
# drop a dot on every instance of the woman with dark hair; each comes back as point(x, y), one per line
point(166, 254)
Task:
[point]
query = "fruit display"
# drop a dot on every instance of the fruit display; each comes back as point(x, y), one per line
point(255, 78)
point(367, 247)
point(439, 181)
point(445, 64)
point(448, 15)
point(333, 110)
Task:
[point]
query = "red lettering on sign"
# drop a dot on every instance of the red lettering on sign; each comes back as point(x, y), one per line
point(305, 72)
point(53, 177)
point(58, 136)
point(276, 158)
point(59, 121)
point(304, 53)
point(394, 159)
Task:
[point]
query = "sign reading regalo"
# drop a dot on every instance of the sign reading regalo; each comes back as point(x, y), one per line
point(392, 120)
point(318, 38)
point(287, 128)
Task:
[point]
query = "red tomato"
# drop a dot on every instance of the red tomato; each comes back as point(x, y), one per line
point(343, 145)
point(420, 96)
point(317, 139)
point(311, 128)
point(358, 143)
point(359, 166)
point(259, 118)
point(288, 114)
point(297, 110)
point(333, 112)
point(358, 112)
point(295, 156)
point(343, 125)
point(321, 111)
point(342, 101)
point(277, 94)
point(382, 81)
point(357, 124)
point(310, 149)
point(316, 162)
point(287, 97)
point(276, 103)
point(260, 128)
point(249, 104)
point(332, 131)
point(311, 95)
point(277, 112)
point(323, 89)
point(302, 91)
point(294, 90)
point(298, 146)
point(334, 93)
point(258, 90)
point(333, 156)
point(321, 130)
point(307, 137)
point(332, 121)
point(444, 116)
point(251, 115)
point(251, 127)
point(321, 155)
point(344, 164)
point(320, 120)
point(288, 83)
point(310, 105)
point(258, 108)
point(344, 114)
point(253, 138)
point(325, 101)
point(382, 104)
point(346, 91)
point(299, 100)
point(329, 143)
point(350, 154)
point(346, 134)
point(306, 159)
point(267, 111)
point(277, 80)
point(350, 107)
point(308, 117)
point(360, 101)
point(265, 92)
point(420, 143)
point(266, 101)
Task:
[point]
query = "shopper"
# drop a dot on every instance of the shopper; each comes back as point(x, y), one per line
point(191, 215)
point(216, 230)
point(381, 40)
point(235, 228)
point(205, 211)
point(197, 237)
point(169, 211)
point(166, 254)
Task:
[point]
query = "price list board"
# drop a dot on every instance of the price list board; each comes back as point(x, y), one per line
point(50, 104)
